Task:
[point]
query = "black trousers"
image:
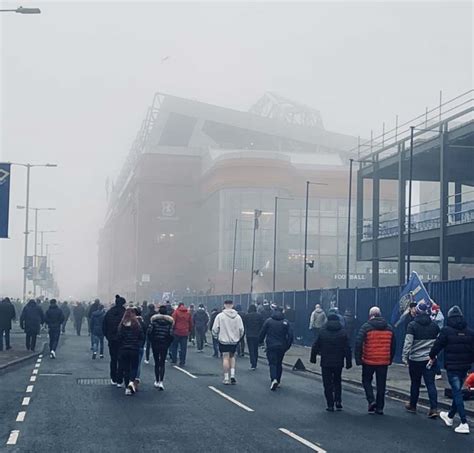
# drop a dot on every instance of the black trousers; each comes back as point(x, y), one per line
point(380, 372)
point(63, 326)
point(7, 338)
point(147, 349)
point(332, 381)
point(252, 343)
point(78, 325)
point(54, 334)
point(114, 358)
point(200, 336)
point(275, 362)
point(31, 341)
point(128, 365)
point(159, 355)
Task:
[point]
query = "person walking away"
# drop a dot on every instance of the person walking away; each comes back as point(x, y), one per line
point(54, 319)
point(266, 310)
point(149, 314)
point(279, 337)
point(228, 329)
point(7, 314)
point(419, 339)
point(374, 350)
point(215, 342)
point(241, 345)
point(457, 341)
point(438, 317)
point(317, 320)
point(183, 325)
point(201, 322)
point(97, 332)
point(160, 335)
point(66, 312)
point(92, 308)
point(141, 351)
point(253, 323)
point(192, 334)
point(30, 321)
point(112, 319)
point(130, 337)
point(333, 345)
point(78, 313)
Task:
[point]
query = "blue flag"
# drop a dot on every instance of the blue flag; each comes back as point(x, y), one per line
point(414, 291)
point(4, 198)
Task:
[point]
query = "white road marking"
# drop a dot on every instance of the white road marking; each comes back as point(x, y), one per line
point(41, 356)
point(35, 371)
point(232, 400)
point(21, 416)
point(12, 439)
point(32, 378)
point(37, 365)
point(185, 372)
point(29, 389)
point(301, 440)
point(39, 361)
point(26, 401)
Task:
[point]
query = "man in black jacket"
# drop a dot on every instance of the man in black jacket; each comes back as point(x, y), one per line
point(78, 312)
point(279, 338)
point(7, 313)
point(457, 340)
point(333, 346)
point(110, 326)
point(253, 323)
point(66, 312)
point(30, 321)
point(54, 318)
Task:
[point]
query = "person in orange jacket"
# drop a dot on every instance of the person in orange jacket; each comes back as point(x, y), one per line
point(183, 324)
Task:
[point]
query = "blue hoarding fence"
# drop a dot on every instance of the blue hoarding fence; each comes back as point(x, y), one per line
point(357, 300)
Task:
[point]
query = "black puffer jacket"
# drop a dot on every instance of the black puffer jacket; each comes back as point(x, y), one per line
point(457, 340)
point(130, 337)
point(160, 331)
point(253, 323)
point(111, 322)
point(31, 318)
point(7, 313)
point(332, 345)
point(54, 317)
point(201, 319)
point(277, 331)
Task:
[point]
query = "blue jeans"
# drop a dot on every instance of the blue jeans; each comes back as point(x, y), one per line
point(96, 341)
point(275, 360)
point(417, 371)
point(182, 342)
point(456, 380)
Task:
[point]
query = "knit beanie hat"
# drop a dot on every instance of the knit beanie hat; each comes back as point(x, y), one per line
point(454, 311)
point(421, 308)
point(119, 301)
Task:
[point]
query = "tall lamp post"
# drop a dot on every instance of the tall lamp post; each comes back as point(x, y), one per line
point(275, 241)
point(233, 256)
point(410, 184)
point(27, 206)
point(306, 264)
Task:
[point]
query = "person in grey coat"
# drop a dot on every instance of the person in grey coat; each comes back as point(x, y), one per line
point(317, 321)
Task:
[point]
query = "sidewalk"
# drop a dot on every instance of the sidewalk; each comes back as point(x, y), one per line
point(398, 381)
point(18, 353)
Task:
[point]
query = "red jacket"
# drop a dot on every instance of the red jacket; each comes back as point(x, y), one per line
point(183, 322)
point(375, 343)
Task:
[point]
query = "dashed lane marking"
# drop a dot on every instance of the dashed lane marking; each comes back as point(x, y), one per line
point(41, 356)
point(26, 401)
point(32, 378)
point(35, 371)
point(12, 439)
point(185, 372)
point(29, 389)
point(21, 416)
point(37, 365)
point(39, 360)
point(232, 400)
point(305, 442)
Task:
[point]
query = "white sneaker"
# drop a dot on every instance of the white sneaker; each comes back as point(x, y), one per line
point(156, 384)
point(147, 362)
point(161, 387)
point(53, 354)
point(446, 419)
point(439, 377)
point(120, 386)
point(128, 392)
point(131, 386)
point(226, 381)
point(463, 428)
point(274, 385)
point(112, 382)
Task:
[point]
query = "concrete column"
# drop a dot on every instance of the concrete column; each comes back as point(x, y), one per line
point(443, 203)
point(401, 212)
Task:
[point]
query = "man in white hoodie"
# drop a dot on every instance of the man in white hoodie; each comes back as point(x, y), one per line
point(228, 328)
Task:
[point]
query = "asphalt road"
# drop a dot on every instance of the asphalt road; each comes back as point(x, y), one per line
point(189, 416)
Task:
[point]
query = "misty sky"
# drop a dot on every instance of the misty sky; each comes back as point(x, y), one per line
point(76, 82)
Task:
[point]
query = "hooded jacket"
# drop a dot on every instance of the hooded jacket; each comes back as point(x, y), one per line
point(54, 317)
point(277, 332)
point(112, 320)
point(318, 319)
point(228, 327)
point(201, 319)
point(160, 331)
point(183, 322)
point(31, 318)
point(253, 323)
point(7, 313)
point(375, 343)
point(419, 339)
point(97, 321)
point(457, 340)
point(332, 345)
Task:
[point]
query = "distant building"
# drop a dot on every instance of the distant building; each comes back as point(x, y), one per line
point(195, 168)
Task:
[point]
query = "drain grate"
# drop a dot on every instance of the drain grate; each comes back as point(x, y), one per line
point(93, 381)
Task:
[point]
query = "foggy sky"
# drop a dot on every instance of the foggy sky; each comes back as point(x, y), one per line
point(76, 82)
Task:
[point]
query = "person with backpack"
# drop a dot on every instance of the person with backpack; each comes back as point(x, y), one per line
point(112, 319)
point(54, 319)
point(160, 336)
point(130, 338)
point(278, 334)
point(333, 345)
point(97, 333)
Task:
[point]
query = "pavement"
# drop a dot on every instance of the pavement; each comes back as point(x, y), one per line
point(398, 380)
point(18, 352)
point(68, 405)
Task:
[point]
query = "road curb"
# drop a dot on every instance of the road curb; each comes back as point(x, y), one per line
point(23, 359)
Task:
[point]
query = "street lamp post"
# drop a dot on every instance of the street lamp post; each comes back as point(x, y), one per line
point(21, 10)
point(410, 184)
point(233, 257)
